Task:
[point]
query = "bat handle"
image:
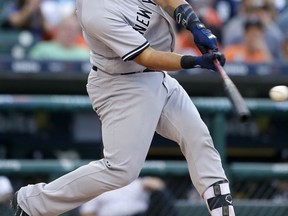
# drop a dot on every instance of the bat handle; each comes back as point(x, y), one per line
point(218, 65)
point(219, 68)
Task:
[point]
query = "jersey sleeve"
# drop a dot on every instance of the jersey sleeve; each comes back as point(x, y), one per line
point(119, 36)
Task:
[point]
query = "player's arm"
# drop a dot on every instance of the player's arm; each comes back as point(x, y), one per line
point(172, 61)
point(184, 15)
point(170, 5)
point(159, 60)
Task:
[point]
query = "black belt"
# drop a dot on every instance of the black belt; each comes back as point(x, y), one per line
point(145, 70)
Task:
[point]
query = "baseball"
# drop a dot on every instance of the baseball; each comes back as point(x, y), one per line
point(279, 93)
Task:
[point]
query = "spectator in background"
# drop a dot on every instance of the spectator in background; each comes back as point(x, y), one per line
point(264, 10)
point(26, 15)
point(56, 10)
point(282, 21)
point(144, 196)
point(232, 30)
point(253, 49)
point(226, 9)
point(63, 46)
point(274, 37)
point(6, 193)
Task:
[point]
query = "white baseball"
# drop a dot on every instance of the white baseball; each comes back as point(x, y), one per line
point(279, 93)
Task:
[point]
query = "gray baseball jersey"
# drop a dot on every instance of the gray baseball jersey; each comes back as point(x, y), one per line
point(131, 108)
point(130, 27)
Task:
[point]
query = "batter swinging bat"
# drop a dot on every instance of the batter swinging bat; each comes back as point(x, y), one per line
point(238, 103)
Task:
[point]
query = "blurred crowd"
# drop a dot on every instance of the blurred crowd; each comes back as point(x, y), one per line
point(248, 31)
point(47, 29)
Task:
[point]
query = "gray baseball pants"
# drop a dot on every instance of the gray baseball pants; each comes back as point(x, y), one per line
point(131, 108)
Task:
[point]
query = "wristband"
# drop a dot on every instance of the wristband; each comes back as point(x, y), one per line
point(185, 16)
point(188, 61)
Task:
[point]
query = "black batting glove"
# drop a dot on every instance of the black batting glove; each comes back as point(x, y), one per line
point(204, 61)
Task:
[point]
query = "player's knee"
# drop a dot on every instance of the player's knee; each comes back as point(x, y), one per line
point(127, 178)
point(219, 200)
point(123, 174)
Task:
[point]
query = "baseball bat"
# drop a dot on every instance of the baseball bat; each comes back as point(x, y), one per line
point(237, 101)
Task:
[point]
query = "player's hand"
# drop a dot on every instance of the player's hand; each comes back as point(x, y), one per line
point(207, 60)
point(203, 38)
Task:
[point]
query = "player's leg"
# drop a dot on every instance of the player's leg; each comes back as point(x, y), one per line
point(181, 122)
point(129, 109)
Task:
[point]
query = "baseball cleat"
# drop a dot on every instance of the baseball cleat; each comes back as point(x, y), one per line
point(17, 210)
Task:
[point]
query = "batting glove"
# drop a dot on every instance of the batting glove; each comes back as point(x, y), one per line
point(203, 38)
point(207, 60)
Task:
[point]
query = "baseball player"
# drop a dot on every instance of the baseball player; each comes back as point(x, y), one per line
point(131, 48)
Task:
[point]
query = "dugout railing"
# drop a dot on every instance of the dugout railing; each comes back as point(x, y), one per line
point(218, 108)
